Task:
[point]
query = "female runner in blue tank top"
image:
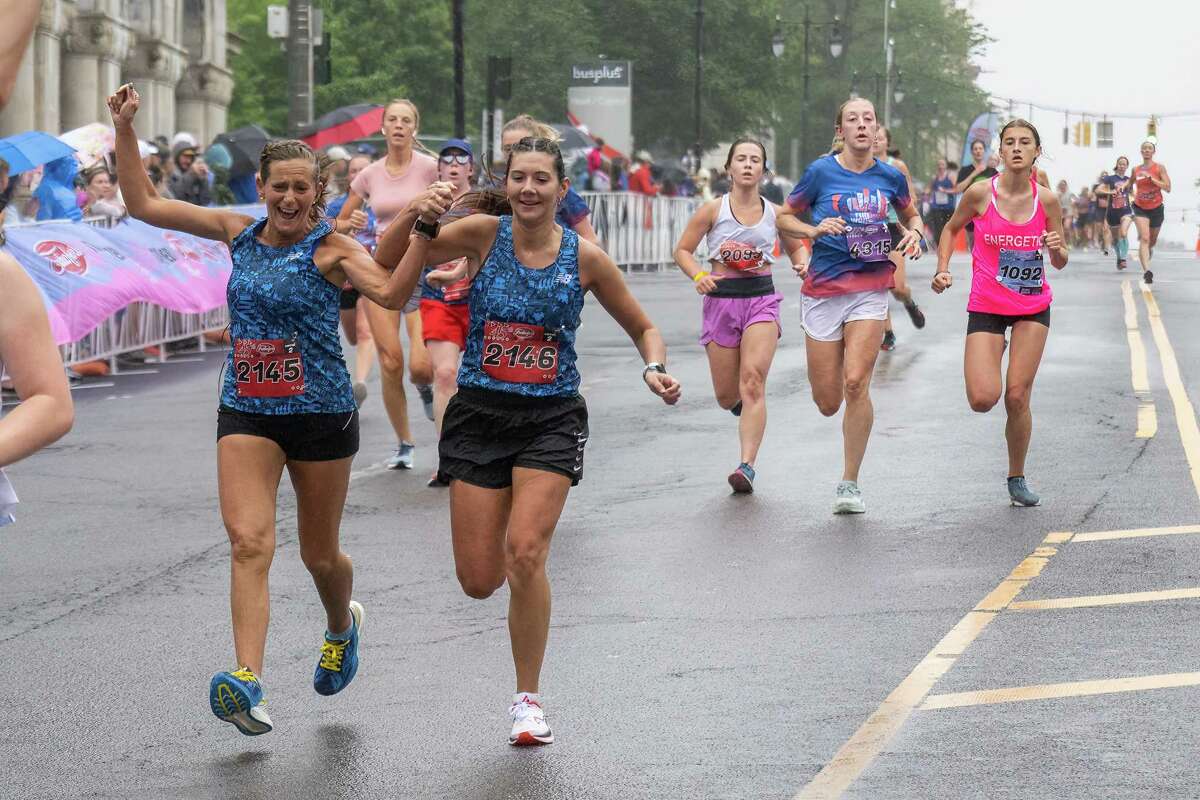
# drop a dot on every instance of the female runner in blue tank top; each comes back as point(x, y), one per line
point(514, 434)
point(741, 307)
point(286, 398)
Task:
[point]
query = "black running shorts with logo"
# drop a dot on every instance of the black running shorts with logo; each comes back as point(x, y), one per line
point(1155, 215)
point(485, 434)
point(302, 437)
point(983, 322)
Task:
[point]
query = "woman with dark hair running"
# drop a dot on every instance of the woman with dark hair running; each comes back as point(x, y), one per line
point(286, 399)
point(1150, 180)
point(1115, 187)
point(741, 307)
point(513, 436)
point(1015, 217)
point(388, 185)
point(901, 291)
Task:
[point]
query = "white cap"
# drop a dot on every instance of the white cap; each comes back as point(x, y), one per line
point(183, 137)
point(338, 153)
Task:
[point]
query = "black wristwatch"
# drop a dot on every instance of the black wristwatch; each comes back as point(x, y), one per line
point(427, 230)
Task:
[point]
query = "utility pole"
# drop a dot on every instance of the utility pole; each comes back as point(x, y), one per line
point(300, 66)
point(887, 57)
point(460, 113)
point(699, 72)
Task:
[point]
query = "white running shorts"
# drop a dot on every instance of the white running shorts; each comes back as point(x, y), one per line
point(823, 317)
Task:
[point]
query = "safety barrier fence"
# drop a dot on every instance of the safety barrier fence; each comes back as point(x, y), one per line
point(638, 232)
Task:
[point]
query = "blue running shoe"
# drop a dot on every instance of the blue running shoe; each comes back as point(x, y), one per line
point(1019, 493)
point(339, 657)
point(237, 698)
point(742, 479)
point(403, 458)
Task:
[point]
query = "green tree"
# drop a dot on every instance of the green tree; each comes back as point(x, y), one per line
point(259, 71)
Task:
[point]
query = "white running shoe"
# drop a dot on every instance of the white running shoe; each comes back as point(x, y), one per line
point(529, 722)
point(849, 499)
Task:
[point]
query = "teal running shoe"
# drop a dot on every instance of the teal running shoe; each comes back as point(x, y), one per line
point(742, 479)
point(339, 657)
point(1020, 494)
point(237, 698)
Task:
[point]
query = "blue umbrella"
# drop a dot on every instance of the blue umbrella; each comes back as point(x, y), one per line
point(31, 149)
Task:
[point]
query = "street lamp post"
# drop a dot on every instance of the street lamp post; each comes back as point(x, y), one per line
point(699, 72)
point(835, 49)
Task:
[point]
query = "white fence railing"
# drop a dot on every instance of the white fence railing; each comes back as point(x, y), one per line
point(639, 233)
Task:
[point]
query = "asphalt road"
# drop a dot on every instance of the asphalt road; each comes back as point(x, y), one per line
point(703, 645)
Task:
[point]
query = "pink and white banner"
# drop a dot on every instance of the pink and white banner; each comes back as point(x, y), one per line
point(87, 274)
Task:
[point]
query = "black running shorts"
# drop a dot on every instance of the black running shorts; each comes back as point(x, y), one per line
point(348, 300)
point(1155, 215)
point(485, 434)
point(302, 437)
point(983, 322)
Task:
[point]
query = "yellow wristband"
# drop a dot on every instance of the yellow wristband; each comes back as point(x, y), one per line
point(699, 275)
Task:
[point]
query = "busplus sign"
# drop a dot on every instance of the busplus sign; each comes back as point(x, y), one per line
point(604, 73)
point(601, 97)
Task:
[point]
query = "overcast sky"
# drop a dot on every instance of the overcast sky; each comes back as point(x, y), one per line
point(1104, 56)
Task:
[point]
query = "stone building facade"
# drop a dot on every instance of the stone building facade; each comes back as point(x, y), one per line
point(174, 51)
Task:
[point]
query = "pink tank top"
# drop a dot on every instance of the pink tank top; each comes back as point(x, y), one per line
point(1008, 274)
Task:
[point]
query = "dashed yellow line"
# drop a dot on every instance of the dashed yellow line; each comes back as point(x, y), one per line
point(1135, 533)
point(1092, 601)
point(1185, 413)
point(874, 734)
point(1052, 691)
point(1147, 416)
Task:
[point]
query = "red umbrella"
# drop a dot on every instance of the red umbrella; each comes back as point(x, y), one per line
point(343, 125)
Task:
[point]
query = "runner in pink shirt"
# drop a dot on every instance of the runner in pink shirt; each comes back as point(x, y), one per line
point(1015, 219)
point(389, 185)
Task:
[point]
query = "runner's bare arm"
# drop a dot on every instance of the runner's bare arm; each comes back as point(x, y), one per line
point(1165, 183)
point(914, 229)
point(142, 199)
point(586, 231)
point(697, 227)
point(29, 356)
point(1055, 240)
point(469, 238)
point(599, 275)
point(20, 18)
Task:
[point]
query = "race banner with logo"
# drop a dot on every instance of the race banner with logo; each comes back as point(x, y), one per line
point(86, 274)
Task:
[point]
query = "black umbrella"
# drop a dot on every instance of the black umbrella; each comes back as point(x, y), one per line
point(245, 146)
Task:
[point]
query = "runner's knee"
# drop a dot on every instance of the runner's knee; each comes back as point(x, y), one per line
point(856, 388)
point(1016, 398)
point(391, 361)
point(981, 401)
point(445, 377)
point(752, 383)
point(526, 560)
point(250, 544)
point(477, 584)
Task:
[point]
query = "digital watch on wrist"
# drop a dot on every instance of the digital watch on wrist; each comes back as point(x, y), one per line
point(427, 230)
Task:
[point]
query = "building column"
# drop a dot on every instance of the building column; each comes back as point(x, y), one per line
point(47, 61)
point(203, 101)
point(18, 116)
point(154, 68)
point(91, 68)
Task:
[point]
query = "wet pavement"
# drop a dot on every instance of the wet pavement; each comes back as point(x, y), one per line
point(703, 645)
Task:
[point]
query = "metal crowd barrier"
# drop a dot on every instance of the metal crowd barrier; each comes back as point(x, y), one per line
point(639, 233)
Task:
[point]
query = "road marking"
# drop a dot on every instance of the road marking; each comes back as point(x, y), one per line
point(862, 748)
point(1135, 533)
point(1051, 691)
point(1147, 415)
point(1091, 601)
point(1185, 413)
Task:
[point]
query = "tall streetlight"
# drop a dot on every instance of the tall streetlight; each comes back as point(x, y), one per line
point(699, 74)
point(836, 47)
point(460, 114)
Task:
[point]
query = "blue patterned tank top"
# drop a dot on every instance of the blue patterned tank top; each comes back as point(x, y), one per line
point(521, 337)
point(283, 319)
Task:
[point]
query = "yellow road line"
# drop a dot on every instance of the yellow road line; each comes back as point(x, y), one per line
point(873, 735)
point(1051, 691)
point(1147, 416)
point(1134, 533)
point(1185, 414)
point(1091, 601)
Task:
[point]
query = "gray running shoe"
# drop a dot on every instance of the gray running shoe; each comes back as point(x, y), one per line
point(403, 457)
point(360, 393)
point(849, 499)
point(1020, 494)
point(426, 392)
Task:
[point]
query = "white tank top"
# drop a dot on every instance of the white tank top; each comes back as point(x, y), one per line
point(740, 247)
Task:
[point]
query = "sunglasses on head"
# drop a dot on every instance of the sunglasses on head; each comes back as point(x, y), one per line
point(451, 158)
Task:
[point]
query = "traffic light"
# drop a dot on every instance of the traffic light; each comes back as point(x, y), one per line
point(1152, 127)
point(322, 63)
point(1076, 138)
point(1087, 134)
point(502, 74)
